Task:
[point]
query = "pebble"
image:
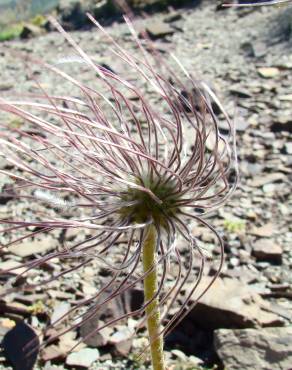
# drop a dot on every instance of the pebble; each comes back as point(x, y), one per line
point(267, 250)
point(60, 309)
point(83, 358)
point(159, 29)
point(29, 248)
point(266, 230)
point(268, 72)
point(288, 148)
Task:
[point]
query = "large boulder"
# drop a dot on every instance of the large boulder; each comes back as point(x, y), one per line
point(257, 349)
point(232, 304)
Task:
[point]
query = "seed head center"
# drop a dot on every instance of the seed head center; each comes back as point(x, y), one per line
point(142, 206)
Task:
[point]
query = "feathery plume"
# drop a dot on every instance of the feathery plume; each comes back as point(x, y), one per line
point(128, 170)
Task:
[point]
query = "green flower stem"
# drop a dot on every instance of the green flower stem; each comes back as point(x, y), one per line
point(150, 288)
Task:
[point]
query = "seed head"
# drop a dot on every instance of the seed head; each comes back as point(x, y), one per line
point(107, 160)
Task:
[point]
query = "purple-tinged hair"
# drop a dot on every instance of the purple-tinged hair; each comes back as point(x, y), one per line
point(107, 162)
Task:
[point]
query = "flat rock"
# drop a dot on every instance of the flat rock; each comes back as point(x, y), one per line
point(29, 248)
point(123, 348)
point(241, 124)
point(131, 300)
point(159, 29)
point(255, 49)
point(267, 250)
point(68, 341)
point(92, 337)
point(268, 72)
point(257, 349)
point(240, 92)
point(229, 303)
point(5, 86)
point(287, 97)
point(266, 230)
point(267, 179)
point(121, 335)
point(13, 267)
point(60, 310)
point(49, 366)
point(52, 352)
point(83, 358)
point(288, 148)
point(173, 17)
point(284, 118)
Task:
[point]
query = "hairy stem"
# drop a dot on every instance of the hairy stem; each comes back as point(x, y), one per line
point(150, 288)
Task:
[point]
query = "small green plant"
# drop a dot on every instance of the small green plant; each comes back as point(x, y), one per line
point(234, 225)
point(39, 20)
point(37, 308)
point(10, 32)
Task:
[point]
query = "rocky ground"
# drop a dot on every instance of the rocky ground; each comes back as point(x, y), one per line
point(244, 322)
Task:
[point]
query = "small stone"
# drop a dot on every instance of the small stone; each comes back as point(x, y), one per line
point(269, 188)
point(285, 65)
point(68, 341)
point(59, 294)
point(266, 230)
point(88, 289)
point(98, 338)
point(159, 30)
point(240, 92)
point(195, 361)
point(234, 262)
point(52, 352)
point(5, 86)
point(288, 148)
point(122, 340)
point(267, 179)
point(287, 97)
point(49, 366)
point(30, 248)
point(121, 335)
point(284, 118)
point(30, 30)
point(30, 299)
point(173, 17)
point(179, 354)
point(259, 49)
point(268, 72)
point(211, 143)
point(254, 49)
point(244, 256)
point(10, 264)
point(241, 124)
point(267, 250)
point(123, 348)
point(83, 358)
point(60, 310)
